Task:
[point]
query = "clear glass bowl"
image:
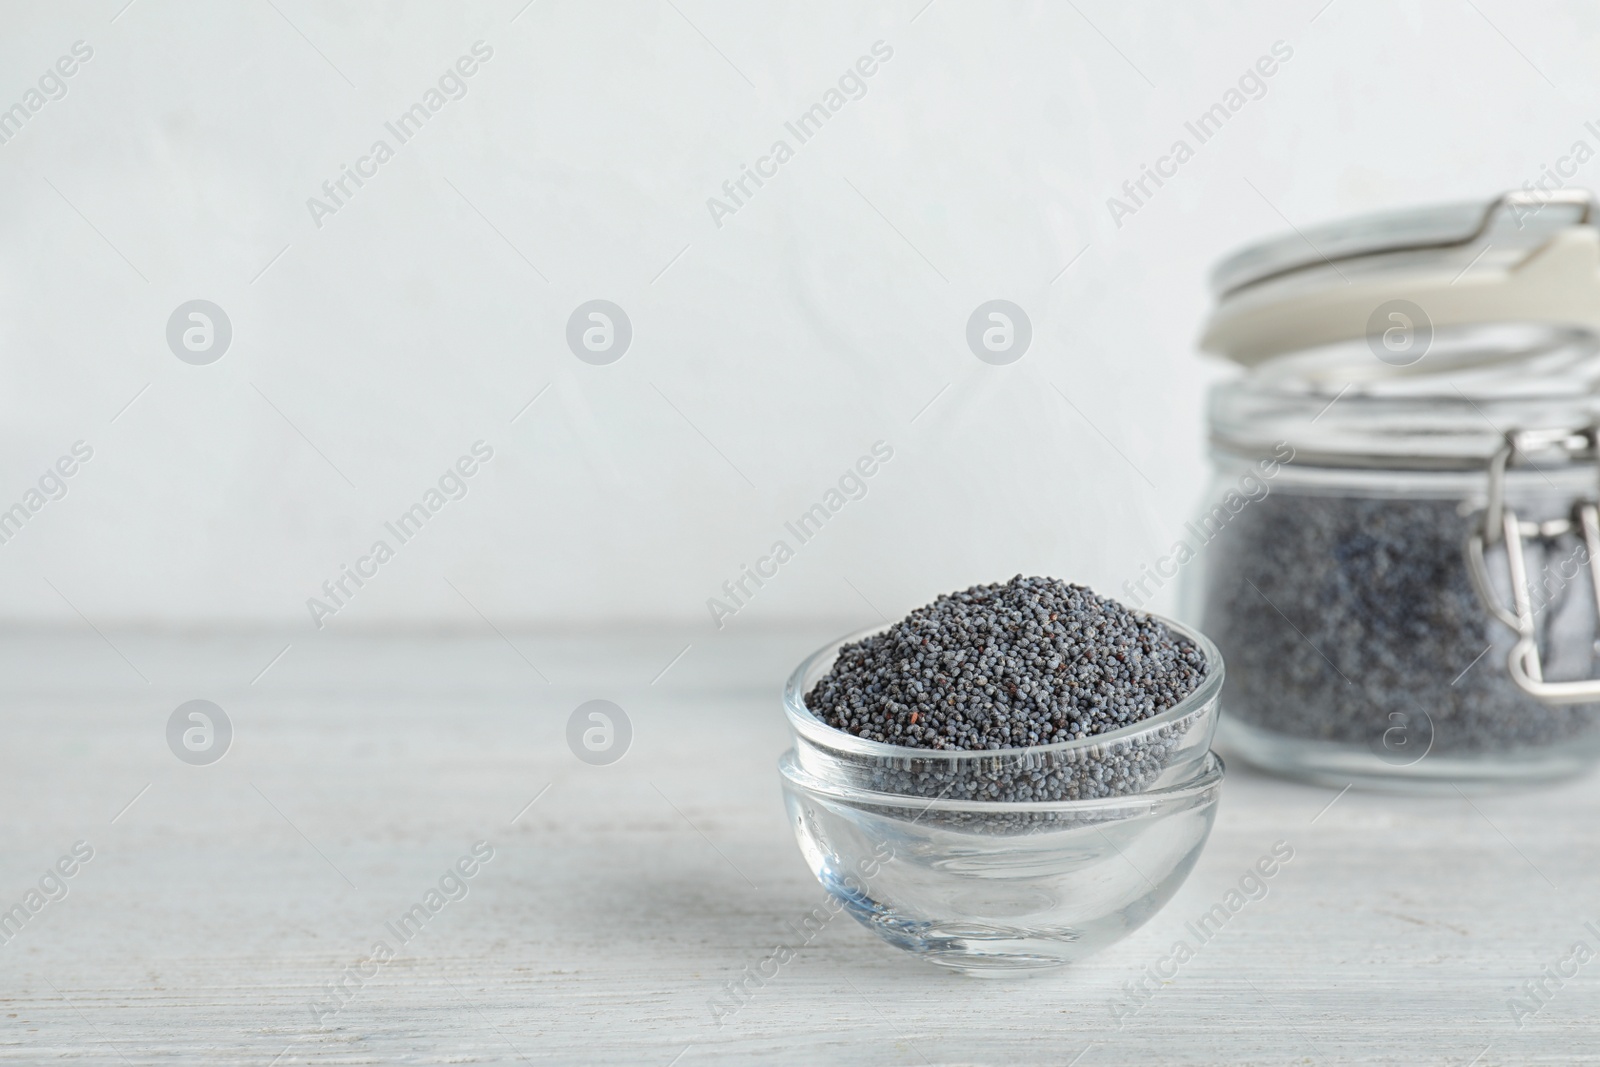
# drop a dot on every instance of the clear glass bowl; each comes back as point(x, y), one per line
point(1001, 888)
point(1004, 861)
point(1160, 751)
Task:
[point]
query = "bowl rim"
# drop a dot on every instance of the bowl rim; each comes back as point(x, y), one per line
point(819, 733)
point(1213, 769)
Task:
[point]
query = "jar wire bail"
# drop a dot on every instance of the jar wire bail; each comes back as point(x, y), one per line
point(1516, 198)
point(1500, 523)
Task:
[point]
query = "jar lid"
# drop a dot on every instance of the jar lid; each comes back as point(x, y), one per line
point(1396, 278)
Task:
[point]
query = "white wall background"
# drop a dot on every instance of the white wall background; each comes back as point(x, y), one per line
point(768, 354)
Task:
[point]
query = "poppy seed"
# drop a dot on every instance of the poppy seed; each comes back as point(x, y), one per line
point(1033, 661)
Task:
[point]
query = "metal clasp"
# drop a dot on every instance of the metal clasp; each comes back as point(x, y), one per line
point(1501, 524)
point(1582, 199)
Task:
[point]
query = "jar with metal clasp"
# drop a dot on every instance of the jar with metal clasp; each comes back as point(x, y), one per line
point(1400, 555)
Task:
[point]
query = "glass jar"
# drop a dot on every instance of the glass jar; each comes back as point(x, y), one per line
point(1400, 556)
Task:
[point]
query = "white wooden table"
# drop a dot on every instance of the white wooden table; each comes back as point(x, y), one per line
point(221, 902)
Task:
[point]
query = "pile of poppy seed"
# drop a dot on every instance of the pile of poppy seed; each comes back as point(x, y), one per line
point(1033, 661)
point(1343, 618)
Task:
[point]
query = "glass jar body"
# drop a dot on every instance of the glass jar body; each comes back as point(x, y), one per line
point(1358, 648)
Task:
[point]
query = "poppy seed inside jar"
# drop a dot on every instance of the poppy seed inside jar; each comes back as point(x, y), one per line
point(1033, 661)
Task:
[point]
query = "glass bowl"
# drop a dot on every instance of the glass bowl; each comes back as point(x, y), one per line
point(1004, 861)
point(1162, 750)
point(1001, 888)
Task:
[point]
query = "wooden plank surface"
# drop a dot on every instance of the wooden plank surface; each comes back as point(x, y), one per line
point(217, 907)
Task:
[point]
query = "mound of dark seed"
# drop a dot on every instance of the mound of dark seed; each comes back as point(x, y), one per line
point(1344, 619)
point(1032, 662)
